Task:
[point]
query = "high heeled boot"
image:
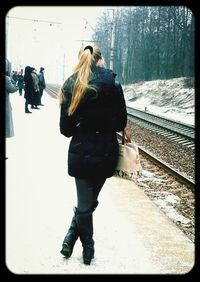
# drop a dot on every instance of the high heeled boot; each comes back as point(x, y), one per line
point(84, 222)
point(70, 238)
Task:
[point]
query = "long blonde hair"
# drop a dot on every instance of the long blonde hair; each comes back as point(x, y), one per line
point(88, 57)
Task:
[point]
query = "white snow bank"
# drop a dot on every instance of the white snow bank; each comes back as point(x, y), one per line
point(172, 98)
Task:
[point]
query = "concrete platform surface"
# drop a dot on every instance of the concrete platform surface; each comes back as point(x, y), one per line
point(132, 235)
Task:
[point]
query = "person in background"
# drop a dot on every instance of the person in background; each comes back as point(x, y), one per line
point(92, 111)
point(20, 79)
point(42, 84)
point(28, 88)
point(10, 87)
point(14, 76)
point(36, 92)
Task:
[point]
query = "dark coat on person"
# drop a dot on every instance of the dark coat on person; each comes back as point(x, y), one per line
point(28, 85)
point(93, 149)
point(36, 92)
point(20, 79)
point(42, 84)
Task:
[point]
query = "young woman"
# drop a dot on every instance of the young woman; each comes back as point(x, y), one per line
point(93, 109)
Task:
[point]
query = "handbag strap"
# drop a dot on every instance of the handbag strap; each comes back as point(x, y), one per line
point(125, 137)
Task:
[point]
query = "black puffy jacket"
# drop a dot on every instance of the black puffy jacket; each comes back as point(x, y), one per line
point(93, 150)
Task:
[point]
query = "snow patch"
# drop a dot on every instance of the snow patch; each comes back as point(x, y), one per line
point(172, 98)
point(171, 212)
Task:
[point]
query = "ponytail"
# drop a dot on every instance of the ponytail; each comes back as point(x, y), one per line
point(87, 58)
point(83, 72)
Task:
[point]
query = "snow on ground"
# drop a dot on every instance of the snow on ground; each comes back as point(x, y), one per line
point(165, 200)
point(172, 98)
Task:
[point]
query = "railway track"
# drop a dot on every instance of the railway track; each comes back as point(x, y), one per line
point(170, 190)
point(52, 90)
point(160, 180)
point(171, 129)
point(176, 131)
point(169, 169)
point(176, 174)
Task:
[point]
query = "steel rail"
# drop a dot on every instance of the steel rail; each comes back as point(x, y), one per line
point(179, 176)
point(180, 128)
point(176, 174)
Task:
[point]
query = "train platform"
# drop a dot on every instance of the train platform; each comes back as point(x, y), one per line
point(132, 235)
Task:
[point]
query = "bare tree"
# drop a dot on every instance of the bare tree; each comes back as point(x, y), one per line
point(151, 42)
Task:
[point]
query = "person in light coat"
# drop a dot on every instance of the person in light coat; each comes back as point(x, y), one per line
point(10, 87)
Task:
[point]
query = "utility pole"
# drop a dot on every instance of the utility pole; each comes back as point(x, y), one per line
point(112, 39)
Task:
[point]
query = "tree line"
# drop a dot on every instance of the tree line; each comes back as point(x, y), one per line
point(150, 42)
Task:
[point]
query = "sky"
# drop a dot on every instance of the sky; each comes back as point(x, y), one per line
point(49, 36)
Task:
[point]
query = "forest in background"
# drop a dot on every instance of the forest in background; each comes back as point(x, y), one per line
point(149, 43)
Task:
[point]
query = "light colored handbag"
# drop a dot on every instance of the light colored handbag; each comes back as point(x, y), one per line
point(128, 165)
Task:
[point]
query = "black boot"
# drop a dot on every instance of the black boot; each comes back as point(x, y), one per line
point(27, 111)
point(70, 238)
point(84, 222)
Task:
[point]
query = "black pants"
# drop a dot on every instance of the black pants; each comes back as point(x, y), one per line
point(41, 93)
point(20, 90)
point(26, 104)
point(87, 192)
